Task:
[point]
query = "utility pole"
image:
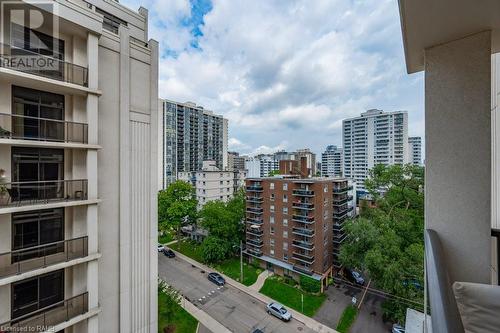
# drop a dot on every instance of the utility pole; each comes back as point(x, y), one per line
point(241, 261)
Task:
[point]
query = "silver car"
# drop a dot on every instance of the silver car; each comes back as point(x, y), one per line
point(279, 311)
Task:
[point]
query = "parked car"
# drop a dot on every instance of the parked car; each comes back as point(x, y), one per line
point(168, 253)
point(257, 331)
point(279, 311)
point(161, 248)
point(396, 328)
point(414, 283)
point(354, 277)
point(216, 278)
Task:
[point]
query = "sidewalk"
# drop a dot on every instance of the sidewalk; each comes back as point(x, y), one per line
point(309, 322)
point(203, 318)
point(260, 280)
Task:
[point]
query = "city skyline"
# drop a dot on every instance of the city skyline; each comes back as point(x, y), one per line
point(351, 63)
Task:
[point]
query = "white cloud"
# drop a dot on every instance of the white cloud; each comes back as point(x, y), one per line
point(287, 69)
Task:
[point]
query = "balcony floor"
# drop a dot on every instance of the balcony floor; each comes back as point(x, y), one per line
point(38, 206)
point(47, 144)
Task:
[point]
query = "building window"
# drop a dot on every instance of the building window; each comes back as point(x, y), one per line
point(271, 241)
point(272, 196)
point(285, 234)
point(285, 246)
point(325, 189)
point(271, 231)
point(285, 210)
point(271, 252)
point(271, 186)
point(285, 222)
point(285, 187)
point(285, 256)
point(271, 208)
point(221, 182)
point(271, 219)
point(285, 198)
point(204, 176)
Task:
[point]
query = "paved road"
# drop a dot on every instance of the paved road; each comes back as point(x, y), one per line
point(339, 297)
point(234, 309)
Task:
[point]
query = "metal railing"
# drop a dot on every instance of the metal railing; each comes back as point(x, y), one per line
point(25, 260)
point(253, 232)
point(255, 188)
point(303, 232)
point(41, 129)
point(303, 205)
point(303, 192)
point(255, 199)
point(303, 244)
point(52, 315)
point(30, 62)
point(307, 258)
point(255, 242)
point(26, 193)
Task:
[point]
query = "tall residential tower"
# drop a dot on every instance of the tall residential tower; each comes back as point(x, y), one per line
point(78, 218)
point(375, 137)
point(332, 162)
point(189, 135)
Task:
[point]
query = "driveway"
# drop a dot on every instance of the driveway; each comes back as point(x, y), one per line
point(339, 297)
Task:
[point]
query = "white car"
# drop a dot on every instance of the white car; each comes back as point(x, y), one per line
point(161, 248)
point(279, 311)
point(396, 328)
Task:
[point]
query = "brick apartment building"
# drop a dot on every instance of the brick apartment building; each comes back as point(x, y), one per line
point(294, 224)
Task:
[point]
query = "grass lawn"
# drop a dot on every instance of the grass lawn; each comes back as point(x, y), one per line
point(291, 296)
point(347, 319)
point(183, 321)
point(188, 248)
point(231, 268)
point(167, 237)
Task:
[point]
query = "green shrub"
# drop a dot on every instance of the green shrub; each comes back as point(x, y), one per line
point(310, 285)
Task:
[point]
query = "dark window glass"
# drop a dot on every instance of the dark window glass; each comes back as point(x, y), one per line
point(36, 293)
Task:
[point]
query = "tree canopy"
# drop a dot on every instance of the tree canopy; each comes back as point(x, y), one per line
point(223, 221)
point(176, 206)
point(386, 241)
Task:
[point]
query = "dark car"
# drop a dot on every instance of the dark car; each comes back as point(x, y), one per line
point(169, 253)
point(354, 277)
point(216, 278)
point(257, 331)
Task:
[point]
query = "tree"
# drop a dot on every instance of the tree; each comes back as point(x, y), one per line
point(176, 206)
point(223, 221)
point(274, 173)
point(170, 301)
point(215, 249)
point(387, 241)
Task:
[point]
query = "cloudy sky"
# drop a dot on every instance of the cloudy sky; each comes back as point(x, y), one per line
point(284, 72)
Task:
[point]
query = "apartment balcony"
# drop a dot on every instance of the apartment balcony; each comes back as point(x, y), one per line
point(29, 259)
point(303, 205)
point(341, 201)
point(342, 189)
point(255, 242)
point(303, 193)
point(29, 62)
point(50, 316)
point(303, 219)
point(255, 188)
point(255, 210)
point(303, 232)
point(256, 221)
point(339, 238)
point(257, 200)
point(254, 252)
point(34, 130)
point(255, 232)
point(303, 257)
point(42, 192)
point(303, 244)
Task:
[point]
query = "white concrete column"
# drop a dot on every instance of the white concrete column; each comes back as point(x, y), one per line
point(92, 210)
point(124, 169)
point(458, 153)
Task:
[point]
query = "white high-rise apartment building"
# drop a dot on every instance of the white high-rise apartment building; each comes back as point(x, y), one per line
point(78, 170)
point(211, 183)
point(415, 150)
point(189, 135)
point(375, 137)
point(332, 162)
point(261, 165)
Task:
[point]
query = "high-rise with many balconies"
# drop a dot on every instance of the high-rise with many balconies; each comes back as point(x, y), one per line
point(415, 150)
point(78, 168)
point(376, 137)
point(189, 135)
point(332, 162)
